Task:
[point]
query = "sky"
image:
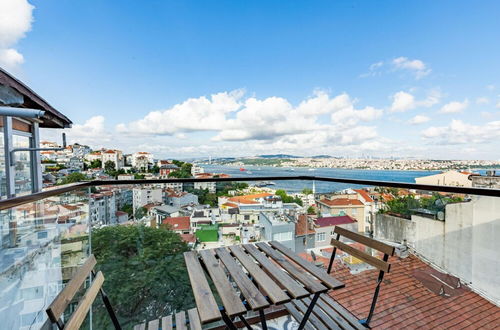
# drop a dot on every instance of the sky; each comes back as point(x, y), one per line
point(187, 79)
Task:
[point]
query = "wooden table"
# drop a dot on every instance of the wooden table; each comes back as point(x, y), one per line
point(253, 277)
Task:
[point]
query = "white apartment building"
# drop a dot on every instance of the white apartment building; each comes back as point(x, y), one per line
point(115, 156)
point(103, 208)
point(141, 159)
point(146, 195)
point(196, 169)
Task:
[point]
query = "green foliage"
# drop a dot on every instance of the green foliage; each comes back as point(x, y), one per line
point(109, 167)
point(96, 164)
point(72, 178)
point(155, 169)
point(145, 274)
point(311, 210)
point(307, 191)
point(128, 208)
point(184, 170)
point(140, 213)
point(287, 198)
point(139, 176)
point(204, 197)
point(404, 205)
point(223, 188)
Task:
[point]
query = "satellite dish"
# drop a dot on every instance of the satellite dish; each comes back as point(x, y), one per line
point(440, 215)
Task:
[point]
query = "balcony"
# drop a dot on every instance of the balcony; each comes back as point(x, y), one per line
point(444, 274)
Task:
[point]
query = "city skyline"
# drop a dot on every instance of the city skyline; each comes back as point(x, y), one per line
point(332, 79)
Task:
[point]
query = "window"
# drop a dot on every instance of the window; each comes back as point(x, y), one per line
point(247, 217)
point(354, 211)
point(320, 237)
point(22, 165)
point(280, 237)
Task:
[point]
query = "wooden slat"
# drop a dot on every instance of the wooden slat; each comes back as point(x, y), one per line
point(322, 315)
point(180, 321)
point(377, 245)
point(194, 319)
point(275, 293)
point(141, 326)
point(319, 273)
point(57, 307)
point(375, 262)
point(299, 274)
point(342, 311)
point(295, 289)
point(205, 301)
point(334, 315)
point(166, 322)
point(312, 317)
point(252, 295)
point(230, 298)
point(78, 316)
point(297, 315)
point(154, 324)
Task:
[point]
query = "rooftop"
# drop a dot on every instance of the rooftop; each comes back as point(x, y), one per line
point(177, 223)
point(334, 221)
point(342, 202)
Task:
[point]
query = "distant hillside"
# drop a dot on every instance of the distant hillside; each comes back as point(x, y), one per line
point(278, 156)
point(322, 156)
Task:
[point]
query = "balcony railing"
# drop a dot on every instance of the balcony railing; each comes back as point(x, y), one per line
point(450, 233)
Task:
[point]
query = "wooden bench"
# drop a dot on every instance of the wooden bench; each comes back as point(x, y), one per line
point(179, 321)
point(64, 298)
point(329, 314)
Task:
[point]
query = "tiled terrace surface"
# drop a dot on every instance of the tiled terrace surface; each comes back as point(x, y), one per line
point(405, 303)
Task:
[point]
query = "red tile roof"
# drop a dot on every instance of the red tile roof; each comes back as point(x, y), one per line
point(364, 194)
point(302, 226)
point(342, 202)
point(334, 221)
point(188, 238)
point(177, 223)
point(405, 303)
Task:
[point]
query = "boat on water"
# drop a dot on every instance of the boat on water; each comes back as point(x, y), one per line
point(249, 172)
point(242, 169)
point(264, 183)
point(290, 169)
point(312, 169)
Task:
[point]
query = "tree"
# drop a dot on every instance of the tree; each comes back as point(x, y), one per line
point(288, 199)
point(145, 273)
point(109, 167)
point(155, 169)
point(307, 191)
point(128, 208)
point(311, 210)
point(73, 177)
point(96, 164)
point(140, 213)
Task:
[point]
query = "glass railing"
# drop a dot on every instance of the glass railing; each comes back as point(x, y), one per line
point(446, 240)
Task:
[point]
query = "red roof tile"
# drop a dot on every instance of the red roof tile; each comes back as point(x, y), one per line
point(342, 202)
point(188, 238)
point(364, 194)
point(405, 303)
point(334, 221)
point(177, 223)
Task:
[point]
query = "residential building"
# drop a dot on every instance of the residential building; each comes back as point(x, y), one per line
point(180, 199)
point(342, 205)
point(196, 169)
point(146, 195)
point(305, 233)
point(161, 212)
point(75, 163)
point(278, 227)
point(448, 178)
point(114, 156)
point(103, 208)
point(180, 225)
point(121, 217)
point(324, 228)
point(490, 180)
point(204, 216)
point(166, 169)
point(141, 160)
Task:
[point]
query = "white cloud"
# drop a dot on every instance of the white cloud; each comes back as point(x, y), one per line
point(15, 20)
point(419, 119)
point(482, 100)
point(415, 66)
point(402, 101)
point(459, 132)
point(92, 132)
point(498, 105)
point(455, 107)
point(195, 114)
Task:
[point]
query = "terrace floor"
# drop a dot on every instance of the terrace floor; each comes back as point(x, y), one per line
point(408, 300)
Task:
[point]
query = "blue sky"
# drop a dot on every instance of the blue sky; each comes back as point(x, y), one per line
point(391, 78)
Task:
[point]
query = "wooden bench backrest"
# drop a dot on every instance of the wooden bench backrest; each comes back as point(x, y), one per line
point(375, 262)
point(57, 307)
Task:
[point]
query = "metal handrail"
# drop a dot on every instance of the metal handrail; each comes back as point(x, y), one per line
point(15, 201)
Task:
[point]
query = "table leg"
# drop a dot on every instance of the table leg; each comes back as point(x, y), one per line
point(229, 324)
point(263, 319)
point(245, 322)
point(308, 311)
